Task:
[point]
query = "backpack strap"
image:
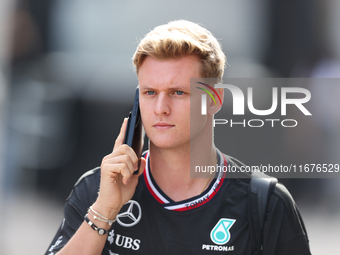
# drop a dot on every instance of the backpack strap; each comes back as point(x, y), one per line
point(260, 189)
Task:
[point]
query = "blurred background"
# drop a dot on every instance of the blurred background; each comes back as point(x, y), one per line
point(66, 82)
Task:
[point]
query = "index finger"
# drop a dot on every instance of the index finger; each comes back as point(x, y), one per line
point(120, 138)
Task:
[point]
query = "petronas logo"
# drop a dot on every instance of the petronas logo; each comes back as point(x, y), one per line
point(220, 233)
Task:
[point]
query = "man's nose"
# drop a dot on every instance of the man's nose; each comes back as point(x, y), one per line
point(162, 105)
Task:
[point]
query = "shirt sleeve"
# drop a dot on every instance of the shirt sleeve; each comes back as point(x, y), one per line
point(83, 195)
point(284, 231)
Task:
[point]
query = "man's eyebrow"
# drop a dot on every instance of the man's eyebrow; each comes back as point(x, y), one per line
point(146, 88)
point(171, 88)
point(180, 88)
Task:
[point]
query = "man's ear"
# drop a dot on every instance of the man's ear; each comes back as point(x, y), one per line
point(214, 108)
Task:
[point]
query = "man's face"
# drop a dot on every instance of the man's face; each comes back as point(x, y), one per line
point(165, 99)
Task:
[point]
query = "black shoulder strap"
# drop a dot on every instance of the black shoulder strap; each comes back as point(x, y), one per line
point(260, 189)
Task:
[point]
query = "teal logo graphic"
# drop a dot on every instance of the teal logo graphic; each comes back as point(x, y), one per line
point(220, 233)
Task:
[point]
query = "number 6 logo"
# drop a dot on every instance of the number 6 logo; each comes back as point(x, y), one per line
point(220, 233)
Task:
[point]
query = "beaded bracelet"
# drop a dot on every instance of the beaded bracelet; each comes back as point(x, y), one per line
point(100, 231)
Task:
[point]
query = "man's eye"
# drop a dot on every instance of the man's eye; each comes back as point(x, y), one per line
point(150, 93)
point(178, 92)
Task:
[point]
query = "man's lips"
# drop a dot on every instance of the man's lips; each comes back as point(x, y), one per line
point(163, 125)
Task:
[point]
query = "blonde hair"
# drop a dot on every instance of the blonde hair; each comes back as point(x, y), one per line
point(179, 38)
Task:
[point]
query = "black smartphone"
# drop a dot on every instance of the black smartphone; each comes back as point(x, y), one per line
point(134, 135)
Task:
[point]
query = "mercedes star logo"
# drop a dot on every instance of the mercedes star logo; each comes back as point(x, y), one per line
point(130, 215)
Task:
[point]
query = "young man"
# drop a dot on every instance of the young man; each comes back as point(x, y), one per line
point(162, 210)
